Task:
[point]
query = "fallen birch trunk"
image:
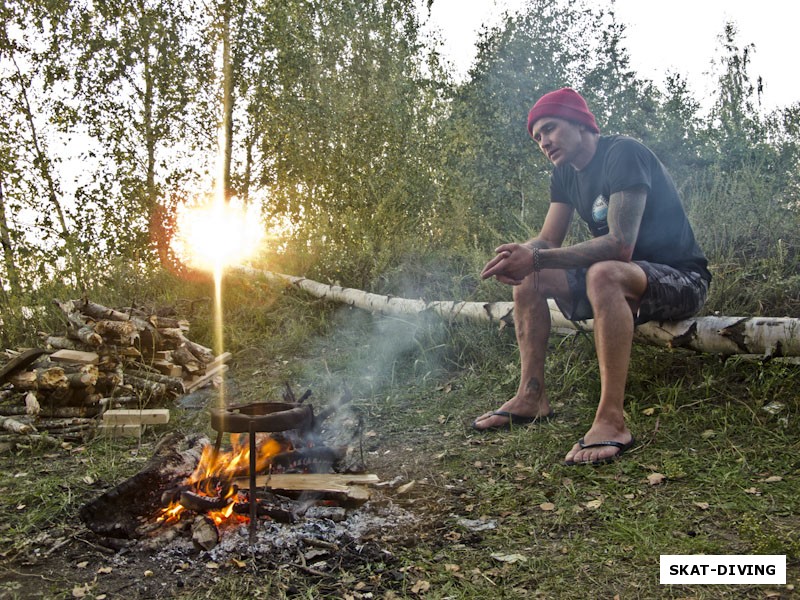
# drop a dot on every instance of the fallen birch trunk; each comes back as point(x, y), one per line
point(762, 336)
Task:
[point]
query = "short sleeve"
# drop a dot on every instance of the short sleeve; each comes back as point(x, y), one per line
point(628, 165)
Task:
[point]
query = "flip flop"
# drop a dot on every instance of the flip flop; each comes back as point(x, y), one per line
point(513, 420)
point(621, 446)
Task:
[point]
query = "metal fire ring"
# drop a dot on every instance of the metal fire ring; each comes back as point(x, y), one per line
point(262, 417)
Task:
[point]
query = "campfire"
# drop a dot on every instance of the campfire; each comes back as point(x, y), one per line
point(277, 469)
point(266, 437)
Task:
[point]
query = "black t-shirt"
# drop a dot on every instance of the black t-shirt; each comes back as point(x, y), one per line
point(620, 163)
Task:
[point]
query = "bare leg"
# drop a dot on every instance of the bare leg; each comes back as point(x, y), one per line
point(614, 288)
point(532, 328)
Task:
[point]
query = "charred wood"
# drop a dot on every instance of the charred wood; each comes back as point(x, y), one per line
point(117, 512)
point(279, 515)
point(320, 459)
point(200, 503)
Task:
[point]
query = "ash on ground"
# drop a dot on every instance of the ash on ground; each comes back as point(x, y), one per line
point(316, 542)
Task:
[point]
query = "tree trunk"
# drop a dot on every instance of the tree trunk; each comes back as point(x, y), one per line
point(12, 275)
point(226, 141)
point(765, 336)
point(43, 163)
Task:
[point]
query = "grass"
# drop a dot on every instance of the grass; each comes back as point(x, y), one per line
point(496, 514)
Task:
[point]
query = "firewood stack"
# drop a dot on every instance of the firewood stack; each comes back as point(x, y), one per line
point(106, 359)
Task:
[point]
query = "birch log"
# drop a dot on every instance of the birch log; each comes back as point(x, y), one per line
point(763, 336)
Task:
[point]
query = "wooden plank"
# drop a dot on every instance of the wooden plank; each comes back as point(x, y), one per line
point(198, 382)
point(75, 356)
point(167, 368)
point(321, 482)
point(220, 359)
point(145, 416)
point(120, 430)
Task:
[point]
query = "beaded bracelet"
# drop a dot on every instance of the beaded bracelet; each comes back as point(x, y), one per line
point(537, 266)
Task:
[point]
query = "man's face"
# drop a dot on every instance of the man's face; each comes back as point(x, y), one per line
point(560, 140)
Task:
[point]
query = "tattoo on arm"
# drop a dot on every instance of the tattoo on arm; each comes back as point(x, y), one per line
point(625, 212)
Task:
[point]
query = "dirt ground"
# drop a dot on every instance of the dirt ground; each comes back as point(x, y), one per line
point(359, 553)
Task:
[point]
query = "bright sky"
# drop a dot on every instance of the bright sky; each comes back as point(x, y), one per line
point(678, 35)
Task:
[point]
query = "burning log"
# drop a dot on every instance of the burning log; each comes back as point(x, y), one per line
point(200, 503)
point(117, 512)
point(279, 515)
point(347, 488)
point(768, 337)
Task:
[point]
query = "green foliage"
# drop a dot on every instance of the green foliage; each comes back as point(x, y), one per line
point(339, 107)
point(349, 133)
point(491, 164)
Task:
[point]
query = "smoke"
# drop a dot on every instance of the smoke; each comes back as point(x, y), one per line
point(382, 350)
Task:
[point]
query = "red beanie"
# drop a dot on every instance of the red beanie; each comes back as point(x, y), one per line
point(565, 103)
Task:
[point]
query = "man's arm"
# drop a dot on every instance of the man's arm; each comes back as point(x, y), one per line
point(625, 210)
point(514, 262)
point(555, 227)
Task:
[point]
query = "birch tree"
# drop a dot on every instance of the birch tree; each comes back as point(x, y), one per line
point(143, 74)
point(32, 194)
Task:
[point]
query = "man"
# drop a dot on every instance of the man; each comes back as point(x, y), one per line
point(642, 264)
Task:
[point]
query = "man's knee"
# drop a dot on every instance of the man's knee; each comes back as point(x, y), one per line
point(613, 276)
point(550, 283)
point(525, 292)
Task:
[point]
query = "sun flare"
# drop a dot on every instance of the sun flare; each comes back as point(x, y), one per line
point(217, 235)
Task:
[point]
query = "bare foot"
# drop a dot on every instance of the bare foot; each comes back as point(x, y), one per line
point(601, 444)
point(521, 411)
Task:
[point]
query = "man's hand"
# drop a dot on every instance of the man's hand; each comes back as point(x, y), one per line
point(513, 263)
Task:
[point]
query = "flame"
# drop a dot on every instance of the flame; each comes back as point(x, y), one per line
point(223, 466)
point(217, 234)
point(227, 464)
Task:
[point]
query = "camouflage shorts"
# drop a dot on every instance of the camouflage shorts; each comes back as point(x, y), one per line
point(671, 294)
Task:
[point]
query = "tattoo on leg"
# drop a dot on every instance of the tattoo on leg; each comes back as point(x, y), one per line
point(533, 385)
